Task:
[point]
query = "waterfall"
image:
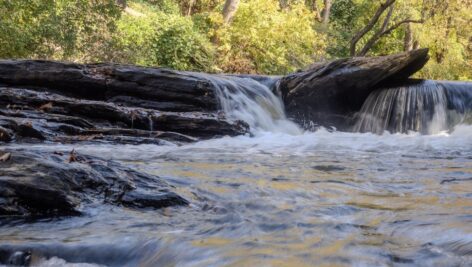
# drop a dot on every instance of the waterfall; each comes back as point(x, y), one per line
point(428, 107)
point(253, 101)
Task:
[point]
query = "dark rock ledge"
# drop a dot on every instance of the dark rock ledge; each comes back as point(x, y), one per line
point(66, 102)
point(39, 183)
point(330, 93)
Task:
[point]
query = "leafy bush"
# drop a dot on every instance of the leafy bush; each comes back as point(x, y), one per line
point(151, 37)
point(68, 30)
point(264, 39)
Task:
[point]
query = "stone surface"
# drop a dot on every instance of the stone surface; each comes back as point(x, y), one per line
point(66, 102)
point(42, 183)
point(329, 93)
point(110, 82)
point(34, 115)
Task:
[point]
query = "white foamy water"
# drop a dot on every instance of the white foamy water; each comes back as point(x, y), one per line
point(253, 102)
point(460, 139)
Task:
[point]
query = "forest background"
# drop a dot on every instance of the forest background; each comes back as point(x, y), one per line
point(238, 36)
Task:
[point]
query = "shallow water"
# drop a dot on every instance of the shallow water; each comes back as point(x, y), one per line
point(317, 199)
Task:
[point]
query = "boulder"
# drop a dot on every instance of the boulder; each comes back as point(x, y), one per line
point(329, 93)
point(41, 183)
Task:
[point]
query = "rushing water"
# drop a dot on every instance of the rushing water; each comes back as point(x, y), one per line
point(253, 102)
point(428, 107)
point(278, 198)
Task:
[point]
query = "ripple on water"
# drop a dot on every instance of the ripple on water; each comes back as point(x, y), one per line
point(276, 200)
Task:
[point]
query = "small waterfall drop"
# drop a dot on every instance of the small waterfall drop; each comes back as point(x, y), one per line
point(428, 107)
point(151, 125)
point(254, 102)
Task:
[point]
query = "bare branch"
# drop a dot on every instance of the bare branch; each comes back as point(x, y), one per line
point(378, 34)
point(369, 25)
point(398, 24)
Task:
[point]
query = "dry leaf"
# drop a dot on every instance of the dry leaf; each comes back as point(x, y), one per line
point(5, 157)
point(46, 106)
point(72, 156)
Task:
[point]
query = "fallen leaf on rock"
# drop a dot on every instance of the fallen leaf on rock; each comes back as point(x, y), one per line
point(72, 156)
point(5, 157)
point(46, 106)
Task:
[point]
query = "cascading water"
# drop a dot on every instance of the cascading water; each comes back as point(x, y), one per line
point(254, 102)
point(428, 107)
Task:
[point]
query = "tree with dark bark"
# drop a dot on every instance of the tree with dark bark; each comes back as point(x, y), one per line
point(382, 31)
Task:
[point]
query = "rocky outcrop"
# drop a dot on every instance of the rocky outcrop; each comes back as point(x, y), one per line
point(57, 184)
point(33, 115)
point(155, 88)
point(329, 93)
point(64, 102)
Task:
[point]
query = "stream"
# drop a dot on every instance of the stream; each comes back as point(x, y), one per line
point(280, 197)
point(333, 199)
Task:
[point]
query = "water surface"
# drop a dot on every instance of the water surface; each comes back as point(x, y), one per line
point(316, 199)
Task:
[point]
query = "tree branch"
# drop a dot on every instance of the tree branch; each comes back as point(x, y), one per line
point(369, 25)
point(398, 24)
point(378, 34)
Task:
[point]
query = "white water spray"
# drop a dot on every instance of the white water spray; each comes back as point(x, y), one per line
point(428, 107)
point(253, 102)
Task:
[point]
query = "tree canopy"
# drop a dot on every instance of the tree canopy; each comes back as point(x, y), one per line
point(247, 36)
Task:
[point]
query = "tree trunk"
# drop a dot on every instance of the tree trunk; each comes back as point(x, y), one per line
point(283, 4)
point(315, 8)
point(408, 41)
point(326, 12)
point(230, 8)
point(190, 6)
point(121, 3)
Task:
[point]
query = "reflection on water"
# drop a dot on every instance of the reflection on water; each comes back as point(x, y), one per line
point(323, 199)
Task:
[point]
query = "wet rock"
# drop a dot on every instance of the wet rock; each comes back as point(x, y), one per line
point(329, 93)
point(66, 118)
point(112, 82)
point(57, 101)
point(56, 184)
point(5, 135)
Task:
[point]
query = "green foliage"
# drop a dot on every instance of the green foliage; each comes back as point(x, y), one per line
point(179, 45)
point(264, 36)
point(58, 29)
point(446, 32)
point(149, 36)
point(264, 39)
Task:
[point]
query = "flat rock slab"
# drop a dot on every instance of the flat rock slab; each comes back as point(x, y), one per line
point(44, 183)
point(161, 88)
